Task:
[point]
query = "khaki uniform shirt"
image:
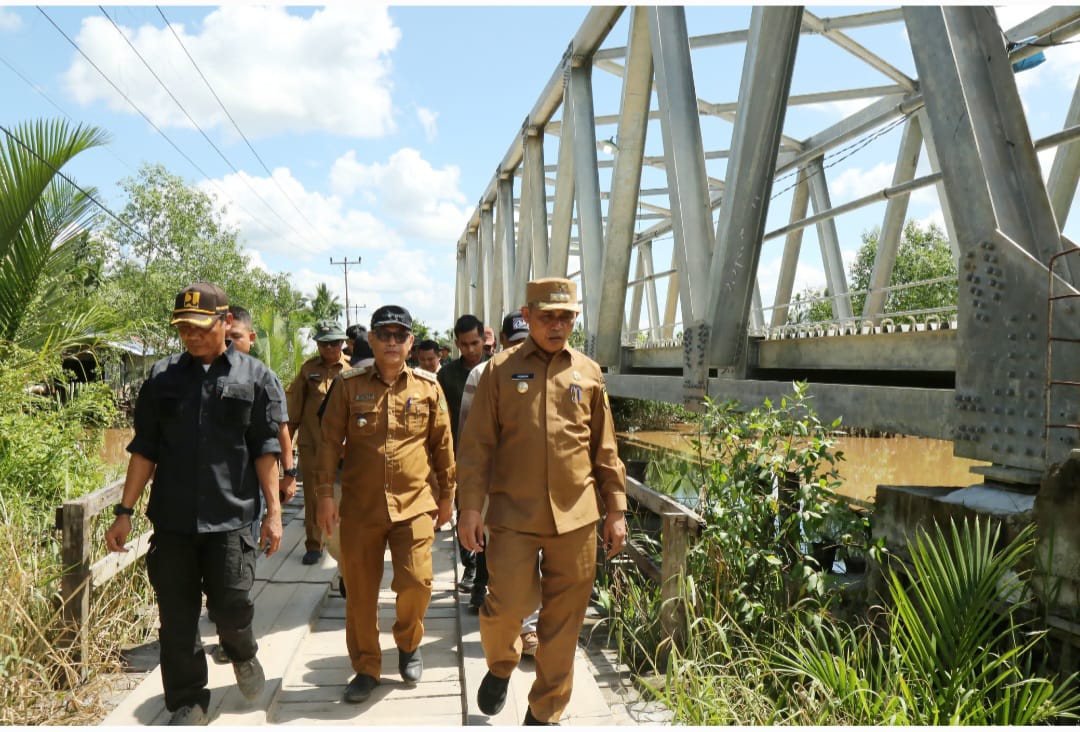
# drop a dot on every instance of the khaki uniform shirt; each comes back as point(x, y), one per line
point(395, 435)
point(305, 395)
point(539, 443)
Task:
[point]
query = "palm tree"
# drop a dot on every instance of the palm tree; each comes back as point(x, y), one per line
point(325, 306)
point(43, 217)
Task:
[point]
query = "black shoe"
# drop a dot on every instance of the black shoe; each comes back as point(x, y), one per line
point(360, 688)
point(477, 597)
point(219, 654)
point(250, 678)
point(468, 577)
point(531, 721)
point(311, 556)
point(492, 694)
point(410, 664)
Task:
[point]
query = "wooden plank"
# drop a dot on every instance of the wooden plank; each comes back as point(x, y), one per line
point(675, 538)
point(660, 504)
point(642, 561)
point(113, 563)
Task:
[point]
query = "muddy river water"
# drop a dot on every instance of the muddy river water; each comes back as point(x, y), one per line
point(868, 461)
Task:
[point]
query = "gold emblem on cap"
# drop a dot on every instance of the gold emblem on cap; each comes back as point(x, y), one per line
point(522, 387)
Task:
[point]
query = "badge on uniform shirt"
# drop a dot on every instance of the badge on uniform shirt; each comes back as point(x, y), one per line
point(361, 421)
point(575, 393)
point(577, 376)
point(361, 397)
point(314, 375)
point(522, 387)
point(519, 377)
point(606, 402)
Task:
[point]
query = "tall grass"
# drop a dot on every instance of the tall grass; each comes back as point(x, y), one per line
point(954, 643)
point(50, 436)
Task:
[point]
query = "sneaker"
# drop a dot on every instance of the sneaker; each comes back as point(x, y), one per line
point(410, 665)
point(531, 721)
point(468, 577)
point(191, 715)
point(250, 678)
point(529, 643)
point(312, 556)
point(360, 688)
point(491, 696)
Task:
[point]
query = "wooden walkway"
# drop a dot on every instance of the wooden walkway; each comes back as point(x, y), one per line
point(300, 626)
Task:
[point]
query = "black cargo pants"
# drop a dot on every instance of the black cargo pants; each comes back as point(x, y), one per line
point(181, 568)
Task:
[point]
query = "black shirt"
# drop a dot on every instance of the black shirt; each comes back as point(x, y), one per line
point(203, 430)
point(452, 378)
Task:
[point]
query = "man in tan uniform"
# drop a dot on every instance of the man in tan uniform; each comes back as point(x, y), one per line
point(304, 396)
point(396, 429)
point(539, 444)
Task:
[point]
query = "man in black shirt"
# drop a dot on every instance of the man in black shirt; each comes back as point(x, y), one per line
point(206, 429)
point(469, 338)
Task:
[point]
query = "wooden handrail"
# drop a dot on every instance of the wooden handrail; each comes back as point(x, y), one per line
point(74, 519)
point(679, 526)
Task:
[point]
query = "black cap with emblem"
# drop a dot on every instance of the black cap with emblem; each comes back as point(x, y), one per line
point(391, 315)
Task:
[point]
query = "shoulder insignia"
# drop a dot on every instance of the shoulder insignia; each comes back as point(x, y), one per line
point(349, 373)
point(423, 374)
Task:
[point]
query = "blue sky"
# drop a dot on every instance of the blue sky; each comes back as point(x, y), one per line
point(384, 125)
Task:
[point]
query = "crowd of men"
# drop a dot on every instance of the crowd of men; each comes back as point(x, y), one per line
point(519, 441)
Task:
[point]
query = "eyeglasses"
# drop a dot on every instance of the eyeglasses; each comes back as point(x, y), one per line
point(330, 344)
point(384, 335)
point(548, 319)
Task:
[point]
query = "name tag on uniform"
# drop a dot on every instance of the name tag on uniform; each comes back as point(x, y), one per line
point(314, 376)
point(575, 393)
point(360, 397)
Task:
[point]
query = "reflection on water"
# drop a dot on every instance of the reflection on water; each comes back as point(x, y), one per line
point(868, 461)
point(114, 451)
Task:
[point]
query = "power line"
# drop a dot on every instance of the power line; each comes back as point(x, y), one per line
point(77, 187)
point(29, 82)
point(235, 125)
point(196, 124)
point(148, 120)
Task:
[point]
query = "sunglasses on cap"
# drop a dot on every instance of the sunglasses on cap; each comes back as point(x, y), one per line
point(385, 334)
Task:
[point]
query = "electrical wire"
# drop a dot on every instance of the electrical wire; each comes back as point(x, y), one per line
point(196, 124)
point(235, 125)
point(148, 120)
point(79, 188)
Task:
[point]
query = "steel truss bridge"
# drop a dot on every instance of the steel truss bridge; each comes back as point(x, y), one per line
point(999, 374)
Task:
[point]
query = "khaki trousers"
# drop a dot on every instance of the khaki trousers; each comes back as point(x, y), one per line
point(561, 584)
point(314, 538)
point(361, 564)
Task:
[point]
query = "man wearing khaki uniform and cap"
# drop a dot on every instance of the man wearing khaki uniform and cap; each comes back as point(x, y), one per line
point(395, 426)
point(539, 444)
point(305, 394)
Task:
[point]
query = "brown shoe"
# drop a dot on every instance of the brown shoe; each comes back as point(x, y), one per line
point(529, 642)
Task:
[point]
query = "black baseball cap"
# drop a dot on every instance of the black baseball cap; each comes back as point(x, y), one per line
point(514, 327)
point(199, 304)
point(391, 315)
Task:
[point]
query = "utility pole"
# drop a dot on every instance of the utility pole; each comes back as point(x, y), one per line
point(345, 263)
point(356, 312)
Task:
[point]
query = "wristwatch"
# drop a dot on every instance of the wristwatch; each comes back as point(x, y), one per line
point(290, 472)
point(121, 510)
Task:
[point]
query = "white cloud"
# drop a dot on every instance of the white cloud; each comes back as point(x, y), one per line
point(428, 119)
point(275, 72)
point(9, 21)
point(856, 182)
point(421, 200)
point(325, 222)
point(255, 258)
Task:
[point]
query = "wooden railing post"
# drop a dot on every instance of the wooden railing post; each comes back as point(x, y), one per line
point(675, 536)
point(75, 560)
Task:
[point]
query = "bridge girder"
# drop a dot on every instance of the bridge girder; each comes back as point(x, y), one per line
point(988, 385)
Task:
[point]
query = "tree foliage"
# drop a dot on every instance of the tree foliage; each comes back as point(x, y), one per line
point(324, 305)
point(923, 254)
point(43, 219)
point(170, 235)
